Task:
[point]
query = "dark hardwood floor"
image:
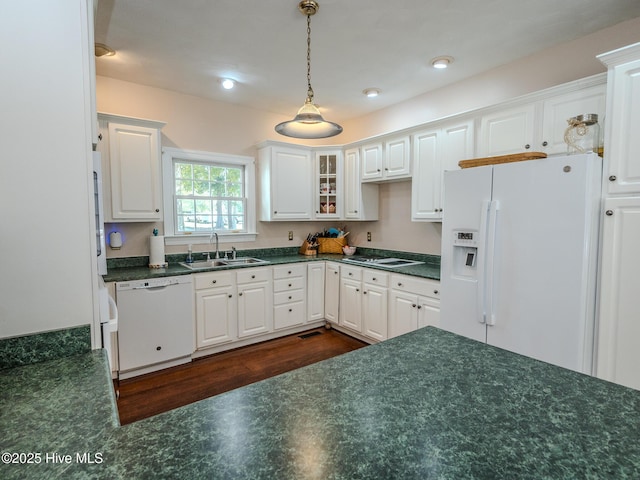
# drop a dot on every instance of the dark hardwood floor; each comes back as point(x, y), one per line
point(158, 392)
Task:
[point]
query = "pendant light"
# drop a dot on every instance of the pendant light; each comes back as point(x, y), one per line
point(308, 123)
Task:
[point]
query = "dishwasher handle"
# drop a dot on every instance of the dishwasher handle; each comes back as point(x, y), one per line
point(156, 285)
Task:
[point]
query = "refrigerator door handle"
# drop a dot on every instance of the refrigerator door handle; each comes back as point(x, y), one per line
point(482, 264)
point(494, 206)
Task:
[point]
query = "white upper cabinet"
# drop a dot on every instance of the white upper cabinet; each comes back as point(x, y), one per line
point(371, 162)
point(388, 160)
point(132, 183)
point(286, 174)
point(434, 152)
point(557, 110)
point(328, 185)
point(622, 124)
point(507, 131)
point(537, 126)
point(360, 199)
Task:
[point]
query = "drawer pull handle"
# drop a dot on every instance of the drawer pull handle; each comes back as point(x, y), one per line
point(230, 295)
point(436, 292)
point(213, 281)
point(399, 284)
point(253, 276)
point(290, 297)
point(240, 294)
point(158, 348)
point(290, 310)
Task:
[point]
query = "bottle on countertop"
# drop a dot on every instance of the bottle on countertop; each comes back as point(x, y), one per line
point(189, 255)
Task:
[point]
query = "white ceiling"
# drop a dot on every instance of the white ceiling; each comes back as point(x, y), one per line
point(188, 45)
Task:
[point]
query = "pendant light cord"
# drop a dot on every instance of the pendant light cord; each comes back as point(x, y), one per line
point(309, 89)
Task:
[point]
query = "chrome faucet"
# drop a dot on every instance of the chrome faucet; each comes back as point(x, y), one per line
point(211, 241)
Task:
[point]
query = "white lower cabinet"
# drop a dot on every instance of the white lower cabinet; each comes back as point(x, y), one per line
point(234, 306)
point(255, 300)
point(290, 294)
point(413, 303)
point(332, 292)
point(216, 309)
point(374, 304)
point(618, 355)
point(351, 298)
point(315, 291)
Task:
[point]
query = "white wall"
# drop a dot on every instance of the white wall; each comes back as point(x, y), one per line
point(200, 124)
point(45, 237)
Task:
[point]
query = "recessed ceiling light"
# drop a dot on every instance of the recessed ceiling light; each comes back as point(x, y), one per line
point(371, 92)
point(102, 50)
point(442, 62)
point(227, 83)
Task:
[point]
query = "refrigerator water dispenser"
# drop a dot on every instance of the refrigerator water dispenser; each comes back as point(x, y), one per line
point(465, 253)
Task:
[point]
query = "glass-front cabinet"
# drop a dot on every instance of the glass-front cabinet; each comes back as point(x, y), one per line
point(328, 185)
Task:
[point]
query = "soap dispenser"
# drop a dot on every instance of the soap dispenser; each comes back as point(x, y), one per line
point(189, 255)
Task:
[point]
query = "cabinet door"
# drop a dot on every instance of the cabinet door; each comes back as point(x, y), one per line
point(371, 162)
point(360, 200)
point(374, 312)
point(397, 160)
point(622, 142)
point(328, 185)
point(254, 309)
point(507, 131)
point(619, 329)
point(351, 304)
point(290, 184)
point(134, 158)
point(332, 292)
point(426, 185)
point(557, 110)
point(315, 291)
point(428, 312)
point(216, 316)
point(403, 313)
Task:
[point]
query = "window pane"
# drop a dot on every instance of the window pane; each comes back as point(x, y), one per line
point(201, 172)
point(184, 187)
point(183, 170)
point(201, 189)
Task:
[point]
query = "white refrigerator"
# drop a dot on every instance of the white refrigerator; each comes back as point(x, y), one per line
point(519, 257)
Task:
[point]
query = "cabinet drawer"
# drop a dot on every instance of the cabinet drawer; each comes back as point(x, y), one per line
point(353, 273)
point(288, 315)
point(418, 286)
point(287, 284)
point(248, 275)
point(375, 277)
point(281, 298)
point(213, 280)
point(288, 271)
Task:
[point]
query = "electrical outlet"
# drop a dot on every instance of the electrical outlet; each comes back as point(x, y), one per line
point(290, 234)
point(368, 236)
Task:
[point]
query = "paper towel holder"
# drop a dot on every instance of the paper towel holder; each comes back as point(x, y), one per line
point(115, 240)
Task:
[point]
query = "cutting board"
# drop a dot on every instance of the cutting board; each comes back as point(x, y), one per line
point(515, 157)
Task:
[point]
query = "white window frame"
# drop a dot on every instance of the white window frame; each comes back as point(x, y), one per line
point(169, 204)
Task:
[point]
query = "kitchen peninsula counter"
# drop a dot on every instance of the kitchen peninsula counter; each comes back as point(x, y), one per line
point(428, 404)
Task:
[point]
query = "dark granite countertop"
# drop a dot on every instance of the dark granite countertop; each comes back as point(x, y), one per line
point(137, 269)
point(428, 404)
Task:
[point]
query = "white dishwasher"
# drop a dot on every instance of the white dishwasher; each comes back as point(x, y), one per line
point(156, 327)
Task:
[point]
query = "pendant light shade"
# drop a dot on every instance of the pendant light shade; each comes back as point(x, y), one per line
point(308, 123)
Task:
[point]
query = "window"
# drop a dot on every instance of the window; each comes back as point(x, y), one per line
point(208, 192)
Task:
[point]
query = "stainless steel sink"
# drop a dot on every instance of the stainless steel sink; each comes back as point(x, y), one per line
point(243, 261)
point(202, 264)
point(223, 262)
